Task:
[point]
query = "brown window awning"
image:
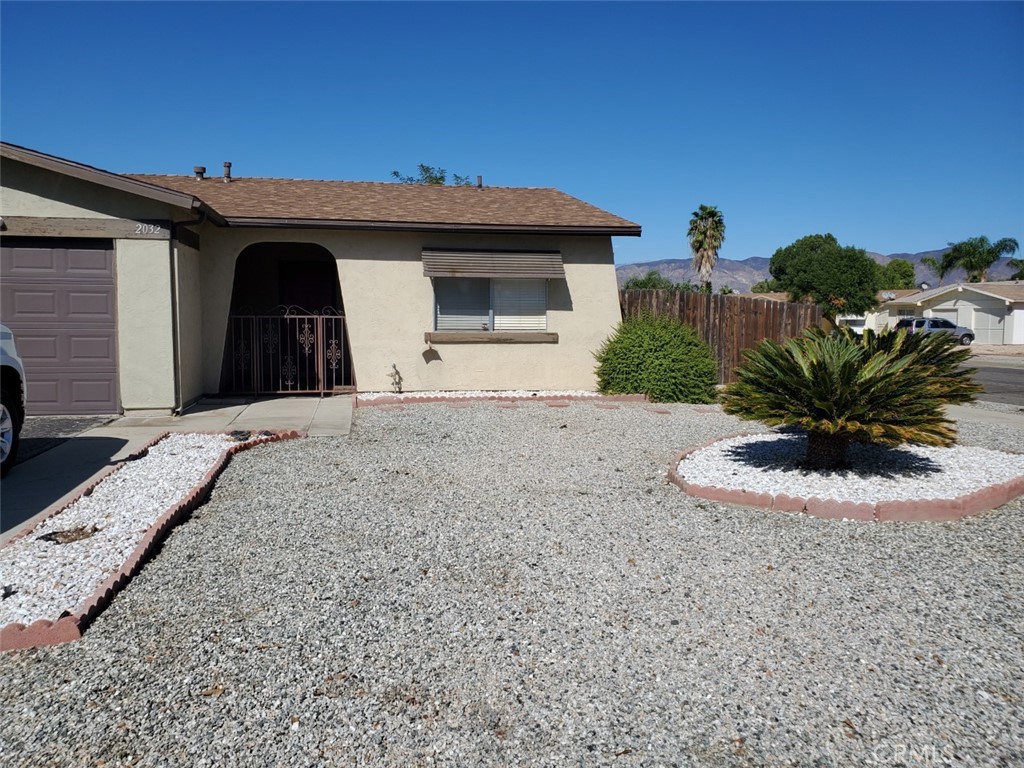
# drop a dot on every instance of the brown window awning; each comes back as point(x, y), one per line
point(457, 263)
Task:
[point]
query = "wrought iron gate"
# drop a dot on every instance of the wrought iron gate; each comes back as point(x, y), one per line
point(289, 352)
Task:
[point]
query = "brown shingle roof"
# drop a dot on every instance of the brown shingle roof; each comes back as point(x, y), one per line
point(1013, 291)
point(381, 204)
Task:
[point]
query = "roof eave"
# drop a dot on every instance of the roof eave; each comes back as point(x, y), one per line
point(421, 226)
point(919, 299)
point(101, 177)
point(211, 215)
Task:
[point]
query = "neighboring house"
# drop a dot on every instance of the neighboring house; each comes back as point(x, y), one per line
point(882, 316)
point(144, 293)
point(994, 311)
point(767, 295)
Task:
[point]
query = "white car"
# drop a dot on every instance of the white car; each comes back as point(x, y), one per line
point(12, 400)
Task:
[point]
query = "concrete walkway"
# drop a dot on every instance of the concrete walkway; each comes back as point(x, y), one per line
point(45, 483)
point(985, 416)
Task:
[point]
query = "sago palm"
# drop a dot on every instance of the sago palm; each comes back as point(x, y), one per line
point(706, 234)
point(886, 388)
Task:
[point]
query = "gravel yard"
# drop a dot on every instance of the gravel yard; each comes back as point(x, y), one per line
point(519, 586)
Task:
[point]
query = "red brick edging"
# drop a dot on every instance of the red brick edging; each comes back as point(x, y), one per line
point(556, 401)
point(71, 627)
point(905, 510)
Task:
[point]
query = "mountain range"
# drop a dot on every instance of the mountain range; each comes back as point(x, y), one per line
point(741, 275)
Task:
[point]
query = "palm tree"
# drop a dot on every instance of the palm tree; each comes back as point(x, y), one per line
point(706, 233)
point(977, 254)
point(1017, 264)
point(941, 266)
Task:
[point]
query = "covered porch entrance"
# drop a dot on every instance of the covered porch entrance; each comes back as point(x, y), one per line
point(286, 329)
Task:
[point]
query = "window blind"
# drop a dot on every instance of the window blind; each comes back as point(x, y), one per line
point(519, 305)
point(462, 305)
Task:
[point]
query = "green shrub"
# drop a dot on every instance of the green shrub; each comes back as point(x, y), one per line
point(655, 281)
point(887, 388)
point(658, 357)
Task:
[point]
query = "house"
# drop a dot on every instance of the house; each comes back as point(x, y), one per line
point(993, 310)
point(881, 316)
point(143, 293)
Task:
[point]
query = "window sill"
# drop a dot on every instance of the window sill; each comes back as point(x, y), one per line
point(490, 337)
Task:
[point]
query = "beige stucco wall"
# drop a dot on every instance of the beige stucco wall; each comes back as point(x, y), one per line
point(144, 325)
point(389, 306)
point(188, 294)
point(30, 191)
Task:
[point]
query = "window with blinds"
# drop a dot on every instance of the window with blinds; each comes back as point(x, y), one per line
point(495, 304)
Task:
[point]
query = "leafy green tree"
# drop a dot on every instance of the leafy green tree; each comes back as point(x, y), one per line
point(655, 281)
point(842, 280)
point(1018, 265)
point(942, 265)
point(977, 254)
point(771, 285)
point(706, 234)
point(428, 174)
point(725, 290)
point(887, 388)
point(896, 275)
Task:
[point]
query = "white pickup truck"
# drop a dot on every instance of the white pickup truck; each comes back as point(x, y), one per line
point(12, 400)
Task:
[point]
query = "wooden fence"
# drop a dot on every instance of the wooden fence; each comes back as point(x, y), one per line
point(729, 324)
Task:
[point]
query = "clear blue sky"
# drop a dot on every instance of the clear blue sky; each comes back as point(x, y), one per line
point(895, 126)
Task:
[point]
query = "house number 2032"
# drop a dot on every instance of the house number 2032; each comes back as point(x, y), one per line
point(147, 229)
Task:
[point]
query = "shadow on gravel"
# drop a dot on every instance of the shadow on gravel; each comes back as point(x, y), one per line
point(786, 451)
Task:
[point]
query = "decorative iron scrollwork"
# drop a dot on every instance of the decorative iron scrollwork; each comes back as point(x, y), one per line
point(288, 370)
point(270, 337)
point(242, 356)
point(306, 338)
point(294, 310)
point(289, 310)
point(333, 354)
point(288, 353)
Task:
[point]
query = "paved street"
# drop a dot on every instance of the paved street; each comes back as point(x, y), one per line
point(1002, 378)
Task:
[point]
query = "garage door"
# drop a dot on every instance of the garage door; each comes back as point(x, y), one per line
point(58, 299)
point(946, 314)
point(988, 324)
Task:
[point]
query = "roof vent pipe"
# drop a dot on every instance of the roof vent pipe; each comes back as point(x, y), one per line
point(199, 170)
point(479, 182)
point(227, 171)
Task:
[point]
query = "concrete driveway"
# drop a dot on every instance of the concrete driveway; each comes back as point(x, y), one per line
point(50, 478)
